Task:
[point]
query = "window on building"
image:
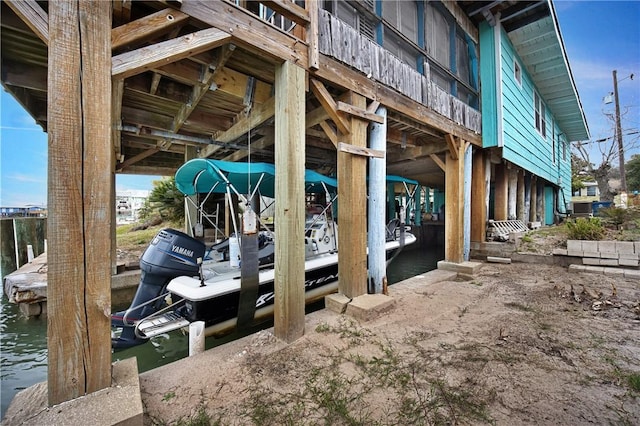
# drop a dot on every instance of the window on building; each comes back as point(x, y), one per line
point(437, 36)
point(394, 44)
point(591, 191)
point(540, 118)
point(553, 143)
point(462, 59)
point(348, 14)
point(517, 72)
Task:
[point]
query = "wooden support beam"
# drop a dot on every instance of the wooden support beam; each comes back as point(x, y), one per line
point(200, 89)
point(359, 112)
point(520, 212)
point(533, 204)
point(360, 150)
point(352, 218)
point(258, 116)
point(262, 143)
point(513, 192)
point(136, 158)
point(79, 200)
point(331, 134)
point(453, 145)
point(289, 10)
point(478, 198)
point(438, 161)
point(242, 23)
point(346, 78)
point(148, 57)
point(313, 34)
point(33, 15)
point(117, 92)
point(289, 207)
point(147, 27)
point(501, 182)
point(330, 106)
point(454, 207)
point(373, 107)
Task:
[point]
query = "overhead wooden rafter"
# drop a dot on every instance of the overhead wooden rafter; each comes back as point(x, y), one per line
point(32, 15)
point(259, 115)
point(330, 106)
point(453, 144)
point(147, 28)
point(140, 60)
point(439, 162)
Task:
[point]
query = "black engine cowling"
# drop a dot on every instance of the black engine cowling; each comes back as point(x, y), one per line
point(171, 254)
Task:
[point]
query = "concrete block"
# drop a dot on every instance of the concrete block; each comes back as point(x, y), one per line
point(608, 262)
point(590, 246)
point(583, 268)
point(591, 254)
point(534, 225)
point(336, 302)
point(628, 262)
point(590, 261)
point(469, 268)
point(636, 247)
point(625, 247)
point(494, 259)
point(560, 252)
point(607, 247)
point(120, 404)
point(369, 306)
point(574, 245)
point(608, 255)
point(575, 253)
point(631, 256)
point(614, 272)
point(574, 267)
point(632, 273)
point(594, 269)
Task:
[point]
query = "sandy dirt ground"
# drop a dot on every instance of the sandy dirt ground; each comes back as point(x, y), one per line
point(514, 344)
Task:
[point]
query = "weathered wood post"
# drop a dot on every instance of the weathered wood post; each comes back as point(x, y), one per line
point(289, 207)
point(478, 197)
point(454, 203)
point(500, 209)
point(466, 235)
point(79, 199)
point(377, 204)
point(352, 217)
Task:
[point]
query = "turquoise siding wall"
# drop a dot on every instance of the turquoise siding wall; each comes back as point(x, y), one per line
point(523, 145)
point(548, 205)
point(489, 91)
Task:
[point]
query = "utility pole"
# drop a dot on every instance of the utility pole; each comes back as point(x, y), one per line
point(623, 177)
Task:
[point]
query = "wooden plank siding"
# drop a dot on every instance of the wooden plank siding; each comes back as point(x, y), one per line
point(345, 44)
point(524, 146)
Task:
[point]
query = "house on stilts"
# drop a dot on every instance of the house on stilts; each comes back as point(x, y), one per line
point(477, 99)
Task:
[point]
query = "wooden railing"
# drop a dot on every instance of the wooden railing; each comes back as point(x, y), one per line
point(344, 43)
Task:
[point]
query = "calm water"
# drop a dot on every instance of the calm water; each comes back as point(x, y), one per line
point(23, 353)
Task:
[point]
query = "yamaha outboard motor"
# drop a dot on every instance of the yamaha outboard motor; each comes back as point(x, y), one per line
point(171, 254)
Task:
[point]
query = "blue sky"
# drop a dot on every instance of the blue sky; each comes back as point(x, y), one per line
point(599, 36)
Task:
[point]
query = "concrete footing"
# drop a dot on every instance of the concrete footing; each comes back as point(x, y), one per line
point(364, 308)
point(120, 404)
point(469, 268)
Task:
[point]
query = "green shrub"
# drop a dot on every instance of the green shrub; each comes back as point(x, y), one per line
point(585, 229)
point(615, 215)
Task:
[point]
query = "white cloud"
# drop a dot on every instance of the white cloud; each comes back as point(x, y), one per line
point(26, 178)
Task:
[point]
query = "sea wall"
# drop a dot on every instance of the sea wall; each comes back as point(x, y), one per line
point(15, 235)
